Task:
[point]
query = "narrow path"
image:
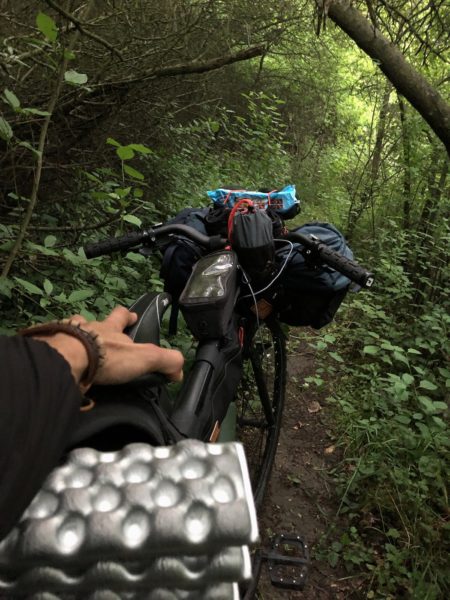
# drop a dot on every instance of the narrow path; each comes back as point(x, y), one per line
point(301, 498)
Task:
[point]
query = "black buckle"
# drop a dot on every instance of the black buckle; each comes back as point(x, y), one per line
point(288, 562)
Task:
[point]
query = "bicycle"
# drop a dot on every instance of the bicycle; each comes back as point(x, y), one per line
point(259, 345)
point(239, 371)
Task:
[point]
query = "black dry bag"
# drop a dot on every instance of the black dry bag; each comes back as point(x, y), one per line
point(251, 236)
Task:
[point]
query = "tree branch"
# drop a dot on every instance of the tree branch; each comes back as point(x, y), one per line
point(408, 81)
point(186, 68)
point(81, 28)
point(40, 156)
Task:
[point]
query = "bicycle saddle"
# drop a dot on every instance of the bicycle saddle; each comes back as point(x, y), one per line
point(150, 308)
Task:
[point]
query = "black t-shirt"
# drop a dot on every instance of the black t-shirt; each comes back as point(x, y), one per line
point(39, 403)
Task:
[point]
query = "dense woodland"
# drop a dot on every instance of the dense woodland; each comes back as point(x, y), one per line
point(121, 112)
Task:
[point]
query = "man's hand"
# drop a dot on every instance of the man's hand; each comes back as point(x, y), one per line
point(123, 359)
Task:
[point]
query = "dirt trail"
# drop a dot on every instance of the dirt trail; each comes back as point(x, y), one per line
point(300, 497)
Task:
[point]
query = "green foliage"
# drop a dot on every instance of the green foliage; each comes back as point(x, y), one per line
point(248, 150)
point(47, 26)
point(392, 397)
point(75, 78)
point(54, 278)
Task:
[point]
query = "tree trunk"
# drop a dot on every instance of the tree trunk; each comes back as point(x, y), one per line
point(367, 195)
point(406, 143)
point(408, 82)
point(437, 176)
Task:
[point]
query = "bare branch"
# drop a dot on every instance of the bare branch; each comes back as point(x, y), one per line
point(82, 28)
point(187, 68)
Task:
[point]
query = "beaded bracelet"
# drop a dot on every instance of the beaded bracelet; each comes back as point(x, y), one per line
point(89, 340)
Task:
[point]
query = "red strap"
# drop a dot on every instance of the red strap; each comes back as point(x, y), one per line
point(234, 210)
point(229, 195)
point(268, 196)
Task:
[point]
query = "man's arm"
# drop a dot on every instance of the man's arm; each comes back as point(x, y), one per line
point(39, 401)
point(41, 386)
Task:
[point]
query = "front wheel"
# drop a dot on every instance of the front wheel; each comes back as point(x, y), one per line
point(260, 401)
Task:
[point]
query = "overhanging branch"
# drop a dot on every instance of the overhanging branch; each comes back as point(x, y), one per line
point(185, 68)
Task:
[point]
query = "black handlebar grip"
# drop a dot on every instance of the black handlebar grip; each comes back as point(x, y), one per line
point(111, 245)
point(346, 266)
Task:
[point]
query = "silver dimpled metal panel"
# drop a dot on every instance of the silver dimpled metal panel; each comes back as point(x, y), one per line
point(133, 520)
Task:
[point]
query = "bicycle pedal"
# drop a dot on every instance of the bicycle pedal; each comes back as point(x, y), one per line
point(288, 562)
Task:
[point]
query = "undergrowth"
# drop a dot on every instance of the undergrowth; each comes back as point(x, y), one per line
point(390, 383)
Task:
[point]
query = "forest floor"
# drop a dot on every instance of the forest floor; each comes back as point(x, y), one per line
point(301, 498)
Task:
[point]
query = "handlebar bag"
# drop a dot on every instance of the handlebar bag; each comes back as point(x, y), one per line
point(251, 236)
point(180, 256)
point(311, 293)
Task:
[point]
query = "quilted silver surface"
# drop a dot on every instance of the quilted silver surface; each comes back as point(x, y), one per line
point(156, 523)
point(217, 592)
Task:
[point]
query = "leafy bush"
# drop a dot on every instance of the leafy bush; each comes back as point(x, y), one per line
point(392, 397)
point(142, 186)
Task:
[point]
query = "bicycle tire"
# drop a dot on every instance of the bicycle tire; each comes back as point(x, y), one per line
point(260, 401)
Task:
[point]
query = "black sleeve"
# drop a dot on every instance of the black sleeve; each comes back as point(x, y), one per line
point(39, 402)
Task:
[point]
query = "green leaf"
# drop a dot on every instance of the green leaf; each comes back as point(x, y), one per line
point(402, 419)
point(125, 152)
point(6, 286)
point(333, 559)
point(428, 405)
point(123, 192)
point(28, 146)
point(37, 248)
point(75, 78)
point(79, 295)
point(400, 357)
point(133, 173)
point(29, 287)
point(132, 219)
point(393, 533)
point(214, 126)
point(427, 385)
point(413, 351)
point(138, 193)
point(6, 133)
point(336, 356)
point(140, 148)
point(48, 287)
point(11, 98)
point(136, 258)
point(407, 378)
point(50, 241)
point(47, 26)
point(371, 349)
point(36, 111)
point(113, 142)
point(69, 55)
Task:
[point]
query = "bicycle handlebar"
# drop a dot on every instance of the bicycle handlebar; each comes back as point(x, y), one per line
point(150, 236)
point(344, 265)
point(147, 237)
